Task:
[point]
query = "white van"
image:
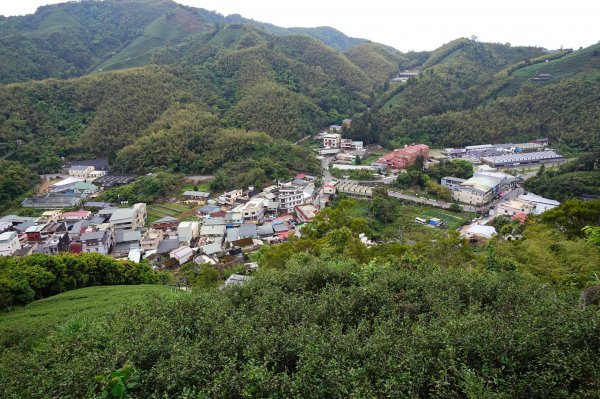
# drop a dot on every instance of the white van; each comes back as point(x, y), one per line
point(421, 220)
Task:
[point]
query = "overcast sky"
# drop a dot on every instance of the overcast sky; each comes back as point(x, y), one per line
point(415, 24)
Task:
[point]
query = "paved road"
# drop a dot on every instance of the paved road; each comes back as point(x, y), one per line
point(303, 139)
point(327, 178)
point(199, 177)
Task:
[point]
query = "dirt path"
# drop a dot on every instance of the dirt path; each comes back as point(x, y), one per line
point(44, 187)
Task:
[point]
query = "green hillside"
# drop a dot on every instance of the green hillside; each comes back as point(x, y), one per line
point(328, 328)
point(71, 39)
point(457, 76)
point(171, 29)
point(330, 36)
point(242, 81)
point(379, 62)
point(66, 40)
point(582, 64)
point(565, 112)
point(70, 309)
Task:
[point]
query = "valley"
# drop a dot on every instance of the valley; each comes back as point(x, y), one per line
point(197, 205)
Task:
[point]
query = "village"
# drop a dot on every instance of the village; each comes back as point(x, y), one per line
point(224, 229)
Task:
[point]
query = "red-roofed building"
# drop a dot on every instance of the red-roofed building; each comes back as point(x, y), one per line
point(521, 217)
point(329, 189)
point(300, 176)
point(218, 214)
point(284, 236)
point(404, 157)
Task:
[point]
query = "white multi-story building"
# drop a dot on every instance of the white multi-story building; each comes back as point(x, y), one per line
point(232, 196)
point(482, 187)
point(187, 231)
point(9, 243)
point(81, 171)
point(451, 182)
point(289, 197)
point(332, 140)
point(253, 209)
point(349, 145)
point(541, 204)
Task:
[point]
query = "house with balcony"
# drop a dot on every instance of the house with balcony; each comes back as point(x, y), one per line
point(289, 197)
point(151, 240)
point(332, 140)
point(54, 244)
point(350, 145)
point(231, 197)
point(51, 216)
point(125, 241)
point(166, 223)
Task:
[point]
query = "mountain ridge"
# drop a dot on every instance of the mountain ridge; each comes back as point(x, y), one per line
point(76, 38)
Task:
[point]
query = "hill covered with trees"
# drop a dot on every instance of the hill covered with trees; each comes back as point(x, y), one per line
point(470, 93)
point(327, 316)
point(75, 38)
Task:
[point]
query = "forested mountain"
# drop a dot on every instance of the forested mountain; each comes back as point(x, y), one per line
point(119, 69)
point(470, 92)
point(286, 86)
point(71, 39)
point(379, 62)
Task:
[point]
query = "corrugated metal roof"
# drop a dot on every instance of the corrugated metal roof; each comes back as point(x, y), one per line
point(482, 183)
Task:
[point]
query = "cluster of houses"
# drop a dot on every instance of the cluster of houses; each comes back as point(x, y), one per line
point(344, 151)
point(506, 155)
point(517, 209)
point(223, 229)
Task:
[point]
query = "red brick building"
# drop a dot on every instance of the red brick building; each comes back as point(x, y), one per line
point(404, 157)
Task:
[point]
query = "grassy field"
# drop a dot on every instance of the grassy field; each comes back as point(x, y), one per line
point(205, 187)
point(41, 317)
point(180, 211)
point(404, 221)
point(452, 220)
